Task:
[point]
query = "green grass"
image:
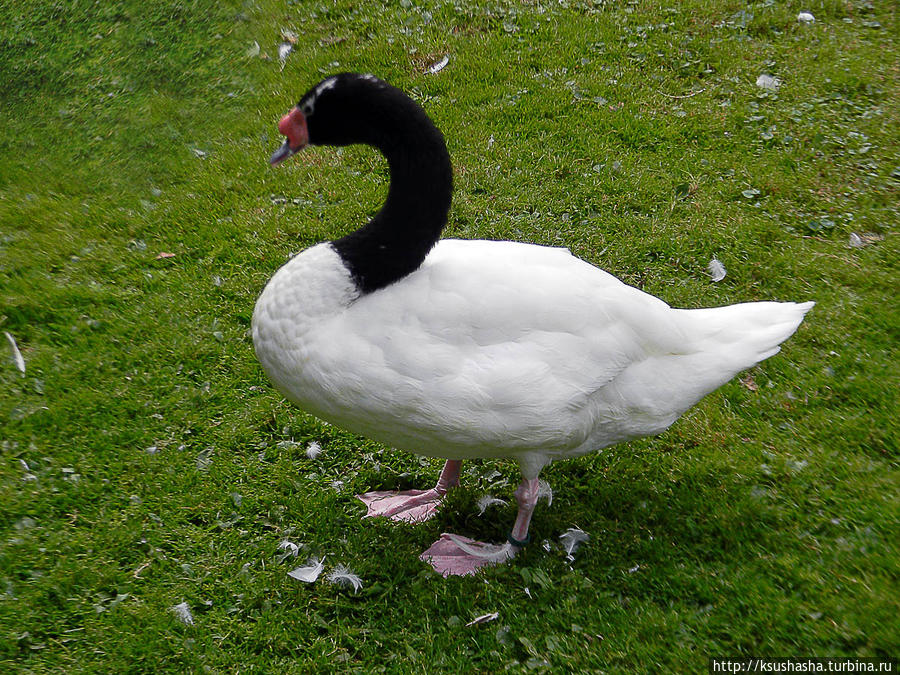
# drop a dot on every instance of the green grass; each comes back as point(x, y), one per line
point(145, 461)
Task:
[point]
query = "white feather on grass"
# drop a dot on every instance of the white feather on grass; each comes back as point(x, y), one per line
point(440, 65)
point(545, 492)
point(291, 550)
point(716, 270)
point(16, 354)
point(487, 501)
point(484, 618)
point(768, 82)
point(309, 572)
point(284, 50)
point(342, 576)
point(183, 613)
point(495, 553)
point(204, 459)
point(313, 450)
point(572, 539)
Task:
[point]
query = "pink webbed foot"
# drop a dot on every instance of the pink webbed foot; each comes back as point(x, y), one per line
point(411, 506)
point(452, 554)
point(459, 556)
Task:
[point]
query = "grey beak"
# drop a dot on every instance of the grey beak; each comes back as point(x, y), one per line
point(281, 154)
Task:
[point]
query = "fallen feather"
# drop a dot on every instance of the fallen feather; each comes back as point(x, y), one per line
point(198, 153)
point(503, 635)
point(451, 554)
point(25, 523)
point(344, 577)
point(484, 618)
point(253, 50)
point(284, 50)
point(183, 613)
point(487, 501)
point(864, 239)
point(16, 354)
point(716, 270)
point(440, 65)
point(572, 539)
point(493, 475)
point(310, 572)
point(204, 459)
point(491, 552)
point(768, 82)
point(796, 465)
point(806, 17)
point(750, 193)
point(291, 550)
point(313, 450)
point(544, 491)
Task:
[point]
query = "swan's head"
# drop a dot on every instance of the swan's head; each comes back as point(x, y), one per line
point(340, 110)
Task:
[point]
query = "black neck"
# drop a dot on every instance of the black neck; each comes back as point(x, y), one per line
point(396, 241)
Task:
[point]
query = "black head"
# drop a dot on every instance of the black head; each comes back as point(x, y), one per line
point(346, 109)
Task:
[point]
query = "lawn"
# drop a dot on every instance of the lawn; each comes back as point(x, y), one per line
point(146, 463)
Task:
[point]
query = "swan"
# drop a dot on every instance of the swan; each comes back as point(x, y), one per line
point(462, 349)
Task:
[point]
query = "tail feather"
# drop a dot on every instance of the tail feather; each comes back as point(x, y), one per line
point(749, 332)
point(703, 351)
point(727, 340)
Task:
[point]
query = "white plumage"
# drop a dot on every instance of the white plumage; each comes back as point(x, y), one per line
point(500, 349)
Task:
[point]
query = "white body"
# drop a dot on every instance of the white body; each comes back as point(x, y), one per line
point(499, 349)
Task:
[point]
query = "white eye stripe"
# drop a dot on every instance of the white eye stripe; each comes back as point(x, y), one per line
point(325, 86)
point(308, 107)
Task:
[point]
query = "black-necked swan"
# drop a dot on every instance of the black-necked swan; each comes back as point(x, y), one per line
point(462, 349)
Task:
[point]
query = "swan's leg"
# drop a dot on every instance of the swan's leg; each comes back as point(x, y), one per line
point(526, 497)
point(413, 506)
point(452, 554)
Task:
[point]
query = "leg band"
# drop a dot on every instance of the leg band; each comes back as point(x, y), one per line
point(515, 542)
